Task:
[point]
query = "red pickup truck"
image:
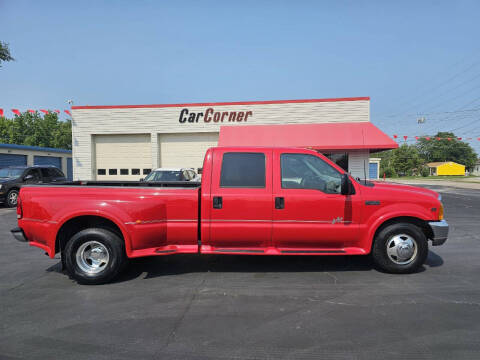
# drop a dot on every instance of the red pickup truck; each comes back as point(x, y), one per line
point(253, 201)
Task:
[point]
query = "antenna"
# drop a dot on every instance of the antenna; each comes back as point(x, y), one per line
point(364, 164)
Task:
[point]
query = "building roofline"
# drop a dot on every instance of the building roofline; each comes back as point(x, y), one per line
point(263, 102)
point(34, 148)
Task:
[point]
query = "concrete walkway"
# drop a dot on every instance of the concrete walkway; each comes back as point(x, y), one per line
point(467, 183)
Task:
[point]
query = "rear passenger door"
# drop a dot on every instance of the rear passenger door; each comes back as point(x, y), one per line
point(241, 200)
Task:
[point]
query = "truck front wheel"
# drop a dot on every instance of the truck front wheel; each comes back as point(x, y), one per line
point(400, 248)
point(94, 256)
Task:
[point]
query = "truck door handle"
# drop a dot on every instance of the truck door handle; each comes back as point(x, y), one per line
point(217, 202)
point(279, 203)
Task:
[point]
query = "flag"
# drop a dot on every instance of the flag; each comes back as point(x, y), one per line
point(44, 111)
point(57, 111)
point(1, 112)
point(405, 137)
point(68, 112)
point(16, 112)
point(31, 111)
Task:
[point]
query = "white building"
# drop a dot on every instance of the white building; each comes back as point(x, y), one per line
point(125, 142)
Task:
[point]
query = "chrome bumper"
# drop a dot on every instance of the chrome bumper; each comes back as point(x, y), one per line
point(440, 232)
point(18, 234)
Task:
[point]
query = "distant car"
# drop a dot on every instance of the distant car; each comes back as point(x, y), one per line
point(11, 178)
point(173, 174)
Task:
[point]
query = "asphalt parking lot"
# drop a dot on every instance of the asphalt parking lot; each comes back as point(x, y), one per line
point(247, 307)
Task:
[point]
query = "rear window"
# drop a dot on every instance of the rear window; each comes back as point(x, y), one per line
point(246, 170)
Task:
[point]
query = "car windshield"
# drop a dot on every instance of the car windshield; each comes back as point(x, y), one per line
point(10, 173)
point(165, 175)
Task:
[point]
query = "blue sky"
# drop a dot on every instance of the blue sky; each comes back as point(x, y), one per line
point(410, 57)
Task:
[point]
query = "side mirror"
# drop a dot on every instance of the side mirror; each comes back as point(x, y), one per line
point(346, 185)
point(28, 177)
point(142, 179)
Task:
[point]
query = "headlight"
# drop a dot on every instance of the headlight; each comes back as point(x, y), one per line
point(1, 186)
point(439, 197)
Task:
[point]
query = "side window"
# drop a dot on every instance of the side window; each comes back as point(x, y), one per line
point(45, 172)
point(303, 171)
point(54, 172)
point(244, 170)
point(34, 173)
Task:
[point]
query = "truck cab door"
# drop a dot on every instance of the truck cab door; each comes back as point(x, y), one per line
point(310, 213)
point(241, 202)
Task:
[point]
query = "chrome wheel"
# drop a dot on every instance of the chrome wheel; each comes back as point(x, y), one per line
point(402, 249)
point(92, 257)
point(13, 198)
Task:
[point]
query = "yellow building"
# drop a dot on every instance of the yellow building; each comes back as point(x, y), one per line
point(446, 168)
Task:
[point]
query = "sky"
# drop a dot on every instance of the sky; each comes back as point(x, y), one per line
point(412, 58)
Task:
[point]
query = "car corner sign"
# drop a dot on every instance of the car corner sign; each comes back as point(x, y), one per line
point(212, 116)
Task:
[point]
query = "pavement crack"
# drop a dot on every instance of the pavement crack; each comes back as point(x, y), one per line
point(176, 325)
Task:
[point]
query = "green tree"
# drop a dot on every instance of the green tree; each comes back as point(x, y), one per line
point(448, 148)
point(5, 53)
point(404, 160)
point(35, 130)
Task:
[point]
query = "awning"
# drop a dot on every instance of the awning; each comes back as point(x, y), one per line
point(329, 136)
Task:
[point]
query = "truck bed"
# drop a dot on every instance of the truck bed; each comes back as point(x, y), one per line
point(186, 184)
point(153, 217)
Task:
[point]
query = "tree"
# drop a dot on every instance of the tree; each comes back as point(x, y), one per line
point(446, 147)
point(404, 160)
point(5, 53)
point(32, 129)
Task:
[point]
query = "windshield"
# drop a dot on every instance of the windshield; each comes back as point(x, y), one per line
point(164, 175)
point(9, 172)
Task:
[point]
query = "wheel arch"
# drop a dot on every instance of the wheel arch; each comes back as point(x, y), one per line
point(78, 223)
point(421, 223)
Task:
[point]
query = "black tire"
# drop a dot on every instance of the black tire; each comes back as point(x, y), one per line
point(100, 239)
point(387, 237)
point(12, 198)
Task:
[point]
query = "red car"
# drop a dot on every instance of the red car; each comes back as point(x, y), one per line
point(252, 201)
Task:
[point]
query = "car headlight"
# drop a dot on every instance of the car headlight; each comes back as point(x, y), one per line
point(1, 186)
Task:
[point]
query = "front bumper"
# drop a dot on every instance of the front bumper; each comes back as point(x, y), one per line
point(440, 232)
point(19, 234)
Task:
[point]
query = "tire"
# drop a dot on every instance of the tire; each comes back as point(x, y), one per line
point(393, 252)
point(94, 256)
point(12, 198)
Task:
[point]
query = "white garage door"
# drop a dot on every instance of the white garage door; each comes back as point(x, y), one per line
point(185, 150)
point(122, 157)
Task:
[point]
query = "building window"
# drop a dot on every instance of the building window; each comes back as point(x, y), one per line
point(101, 172)
point(135, 171)
point(243, 170)
point(112, 171)
point(123, 171)
point(341, 159)
point(147, 171)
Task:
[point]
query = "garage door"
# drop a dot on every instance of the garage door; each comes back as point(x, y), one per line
point(69, 169)
point(185, 150)
point(12, 160)
point(373, 170)
point(48, 160)
point(122, 157)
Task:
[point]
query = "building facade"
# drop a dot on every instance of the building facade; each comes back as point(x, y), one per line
point(125, 142)
point(446, 168)
point(24, 155)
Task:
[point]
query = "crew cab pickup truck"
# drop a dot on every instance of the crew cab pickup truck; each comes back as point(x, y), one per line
point(251, 201)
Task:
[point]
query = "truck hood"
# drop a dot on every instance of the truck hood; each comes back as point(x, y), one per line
point(383, 186)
